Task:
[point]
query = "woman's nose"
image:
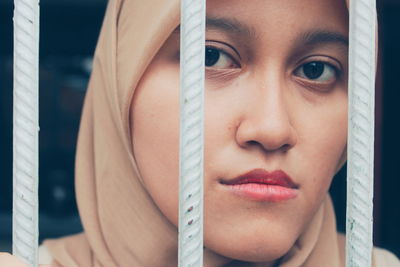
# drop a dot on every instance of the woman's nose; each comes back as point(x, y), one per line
point(267, 123)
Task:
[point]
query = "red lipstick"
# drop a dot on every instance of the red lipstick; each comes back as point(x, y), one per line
point(261, 185)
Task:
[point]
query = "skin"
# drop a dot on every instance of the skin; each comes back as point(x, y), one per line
point(8, 260)
point(261, 111)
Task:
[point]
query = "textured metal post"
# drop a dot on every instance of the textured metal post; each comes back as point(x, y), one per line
point(191, 133)
point(361, 133)
point(25, 131)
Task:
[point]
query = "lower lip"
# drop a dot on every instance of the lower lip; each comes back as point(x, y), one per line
point(264, 192)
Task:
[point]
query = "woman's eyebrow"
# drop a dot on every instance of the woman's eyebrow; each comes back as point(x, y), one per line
point(230, 26)
point(316, 37)
point(227, 25)
point(309, 38)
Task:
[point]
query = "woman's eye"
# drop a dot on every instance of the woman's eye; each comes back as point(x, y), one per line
point(316, 71)
point(216, 58)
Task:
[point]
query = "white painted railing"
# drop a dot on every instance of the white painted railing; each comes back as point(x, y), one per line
point(360, 135)
point(360, 150)
point(26, 130)
point(191, 133)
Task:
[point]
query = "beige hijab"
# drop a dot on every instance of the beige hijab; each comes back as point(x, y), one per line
point(123, 226)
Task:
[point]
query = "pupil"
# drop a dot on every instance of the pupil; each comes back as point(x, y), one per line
point(212, 56)
point(313, 70)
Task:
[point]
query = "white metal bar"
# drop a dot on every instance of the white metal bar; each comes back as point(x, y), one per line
point(191, 133)
point(26, 130)
point(360, 151)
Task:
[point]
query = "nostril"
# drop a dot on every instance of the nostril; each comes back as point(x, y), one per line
point(252, 143)
point(274, 136)
point(286, 147)
point(283, 147)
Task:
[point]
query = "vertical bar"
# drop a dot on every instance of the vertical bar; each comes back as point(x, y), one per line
point(361, 132)
point(25, 131)
point(191, 133)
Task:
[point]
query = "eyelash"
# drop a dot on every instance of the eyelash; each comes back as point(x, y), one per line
point(337, 72)
point(224, 51)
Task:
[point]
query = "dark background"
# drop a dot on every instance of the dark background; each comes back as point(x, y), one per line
point(69, 31)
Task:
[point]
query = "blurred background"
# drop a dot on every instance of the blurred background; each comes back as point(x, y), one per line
point(69, 31)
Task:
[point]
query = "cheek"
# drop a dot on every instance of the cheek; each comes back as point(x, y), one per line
point(155, 136)
point(322, 143)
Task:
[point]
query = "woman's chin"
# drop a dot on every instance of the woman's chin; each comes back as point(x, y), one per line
point(254, 248)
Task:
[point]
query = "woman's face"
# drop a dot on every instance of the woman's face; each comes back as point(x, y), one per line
point(275, 102)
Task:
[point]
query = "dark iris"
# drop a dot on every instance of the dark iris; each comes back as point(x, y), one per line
point(212, 56)
point(313, 70)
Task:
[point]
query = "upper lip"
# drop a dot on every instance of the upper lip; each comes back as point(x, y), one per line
point(261, 176)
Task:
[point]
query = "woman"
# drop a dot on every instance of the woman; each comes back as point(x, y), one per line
point(276, 110)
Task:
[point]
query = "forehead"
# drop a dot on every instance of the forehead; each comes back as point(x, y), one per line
point(258, 18)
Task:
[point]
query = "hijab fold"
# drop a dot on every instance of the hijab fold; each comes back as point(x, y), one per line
point(123, 226)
